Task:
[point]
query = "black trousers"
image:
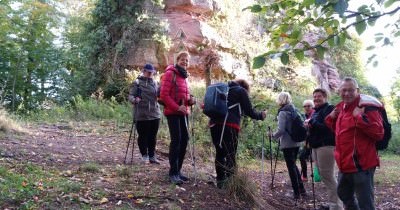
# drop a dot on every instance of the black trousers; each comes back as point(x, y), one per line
point(290, 155)
point(225, 158)
point(304, 157)
point(147, 136)
point(178, 130)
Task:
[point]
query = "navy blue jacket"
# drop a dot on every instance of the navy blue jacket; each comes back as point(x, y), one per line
point(320, 134)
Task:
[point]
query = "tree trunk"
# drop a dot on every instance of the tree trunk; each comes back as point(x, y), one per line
point(13, 92)
point(207, 75)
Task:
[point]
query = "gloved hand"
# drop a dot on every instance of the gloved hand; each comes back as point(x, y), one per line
point(137, 100)
point(192, 100)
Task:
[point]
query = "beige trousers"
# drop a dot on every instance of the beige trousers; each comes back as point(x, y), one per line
point(325, 161)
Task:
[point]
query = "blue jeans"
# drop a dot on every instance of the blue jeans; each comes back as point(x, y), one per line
point(362, 185)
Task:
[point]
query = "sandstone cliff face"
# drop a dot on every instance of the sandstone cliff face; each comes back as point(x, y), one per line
point(326, 74)
point(219, 49)
point(188, 28)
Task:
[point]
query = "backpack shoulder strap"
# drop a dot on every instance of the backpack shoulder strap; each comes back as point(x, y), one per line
point(138, 90)
point(371, 108)
point(174, 77)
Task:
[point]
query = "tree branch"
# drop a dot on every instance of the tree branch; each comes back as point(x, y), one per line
point(348, 26)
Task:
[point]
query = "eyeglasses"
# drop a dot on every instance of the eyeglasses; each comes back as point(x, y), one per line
point(305, 106)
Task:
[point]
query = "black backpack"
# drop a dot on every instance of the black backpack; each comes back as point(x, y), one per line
point(298, 133)
point(161, 102)
point(384, 142)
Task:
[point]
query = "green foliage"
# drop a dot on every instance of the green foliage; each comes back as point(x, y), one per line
point(84, 110)
point(395, 94)
point(29, 57)
point(394, 144)
point(346, 59)
point(102, 40)
point(21, 183)
point(288, 21)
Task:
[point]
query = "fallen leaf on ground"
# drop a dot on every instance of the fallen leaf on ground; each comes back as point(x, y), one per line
point(84, 200)
point(103, 200)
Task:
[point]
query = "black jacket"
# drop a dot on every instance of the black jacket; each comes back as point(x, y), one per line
point(237, 94)
point(320, 135)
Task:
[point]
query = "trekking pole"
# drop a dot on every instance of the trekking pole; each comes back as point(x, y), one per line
point(134, 135)
point(193, 147)
point(270, 146)
point(262, 162)
point(133, 129)
point(312, 176)
point(129, 140)
point(276, 160)
point(190, 145)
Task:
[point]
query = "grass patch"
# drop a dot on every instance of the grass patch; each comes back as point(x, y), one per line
point(125, 172)
point(68, 186)
point(242, 189)
point(84, 110)
point(24, 186)
point(8, 124)
point(389, 171)
point(90, 168)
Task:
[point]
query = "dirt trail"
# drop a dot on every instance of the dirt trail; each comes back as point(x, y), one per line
point(67, 147)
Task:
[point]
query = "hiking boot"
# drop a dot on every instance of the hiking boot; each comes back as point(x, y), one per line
point(304, 179)
point(183, 178)
point(295, 196)
point(303, 193)
point(153, 160)
point(145, 158)
point(323, 207)
point(221, 184)
point(175, 180)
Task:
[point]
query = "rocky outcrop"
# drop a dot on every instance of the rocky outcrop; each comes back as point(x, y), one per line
point(326, 74)
point(187, 23)
point(193, 6)
point(188, 29)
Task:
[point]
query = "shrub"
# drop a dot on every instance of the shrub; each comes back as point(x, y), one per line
point(7, 124)
point(242, 189)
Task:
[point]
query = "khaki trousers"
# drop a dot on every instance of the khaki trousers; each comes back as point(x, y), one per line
point(325, 161)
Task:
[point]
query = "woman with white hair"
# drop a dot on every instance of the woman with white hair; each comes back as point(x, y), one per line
point(289, 147)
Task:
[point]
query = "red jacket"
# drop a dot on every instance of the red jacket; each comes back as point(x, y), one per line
point(174, 93)
point(360, 132)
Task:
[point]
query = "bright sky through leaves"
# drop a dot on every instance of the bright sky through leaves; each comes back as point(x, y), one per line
point(381, 76)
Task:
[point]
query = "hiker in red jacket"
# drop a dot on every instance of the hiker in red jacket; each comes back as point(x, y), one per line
point(176, 96)
point(356, 133)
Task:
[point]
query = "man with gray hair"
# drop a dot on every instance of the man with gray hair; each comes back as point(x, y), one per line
point(356, 131)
